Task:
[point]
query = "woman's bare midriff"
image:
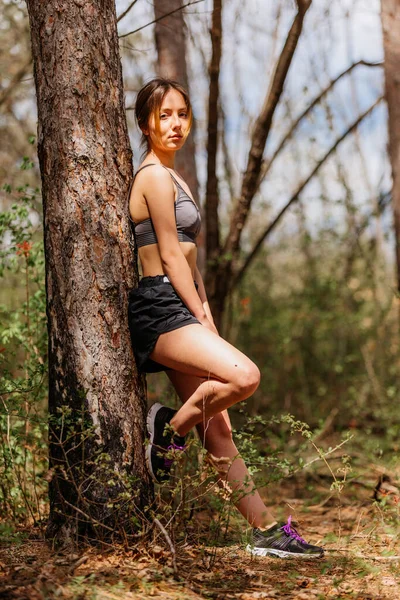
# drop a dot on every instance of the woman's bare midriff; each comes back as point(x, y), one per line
point(151, 261)
point(149, 255)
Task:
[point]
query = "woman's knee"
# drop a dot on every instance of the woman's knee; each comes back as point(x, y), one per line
point(247, 380)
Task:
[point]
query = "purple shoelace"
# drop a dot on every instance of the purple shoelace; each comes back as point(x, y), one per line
point(168, 461)
point(289, 530)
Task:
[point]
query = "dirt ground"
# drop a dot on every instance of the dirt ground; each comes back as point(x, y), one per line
point(360, 537)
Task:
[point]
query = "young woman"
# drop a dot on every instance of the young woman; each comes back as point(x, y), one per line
point(171, 325)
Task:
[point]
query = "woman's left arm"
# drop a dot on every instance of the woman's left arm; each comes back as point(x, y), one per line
point(203, 296)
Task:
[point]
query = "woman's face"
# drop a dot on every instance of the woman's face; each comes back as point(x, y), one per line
point(174, 123)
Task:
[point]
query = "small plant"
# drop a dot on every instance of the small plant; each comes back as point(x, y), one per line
point(193, 490)
point(23, 358)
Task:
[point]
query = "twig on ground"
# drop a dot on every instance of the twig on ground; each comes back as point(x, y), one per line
point(363, 556)
point(165, 533)
point(78, 563)
point(321, 457)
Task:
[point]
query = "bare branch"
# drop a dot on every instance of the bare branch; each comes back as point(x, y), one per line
point(317, 99)
point(132, 4)
point(296, 194)
point(165, 533)
point(303, 5)
point(159, 18)
point(15, 81)
point(228, 167)
point(219, 271)
point(261, 131)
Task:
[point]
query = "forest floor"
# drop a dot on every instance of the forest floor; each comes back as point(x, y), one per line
point(359, 535)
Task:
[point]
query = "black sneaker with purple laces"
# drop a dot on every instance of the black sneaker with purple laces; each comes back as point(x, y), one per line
point(163, 442)
point(282, 540)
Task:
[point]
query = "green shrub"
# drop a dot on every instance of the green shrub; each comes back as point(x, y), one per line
point(23, 361)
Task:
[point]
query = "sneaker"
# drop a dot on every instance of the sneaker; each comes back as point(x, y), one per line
point(282, 540)
point(163, 444)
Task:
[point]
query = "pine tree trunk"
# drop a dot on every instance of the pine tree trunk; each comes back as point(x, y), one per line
point(391, 43)
point(96, 398)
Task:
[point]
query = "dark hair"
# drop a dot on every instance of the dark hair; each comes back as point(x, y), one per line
point(149, 101)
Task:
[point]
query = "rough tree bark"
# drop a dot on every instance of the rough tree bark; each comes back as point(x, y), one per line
point(391, 42)
point(170, 37)
point(96, 398)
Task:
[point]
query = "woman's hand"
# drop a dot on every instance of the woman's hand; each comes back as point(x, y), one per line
point(206, 320)
point(210, 325)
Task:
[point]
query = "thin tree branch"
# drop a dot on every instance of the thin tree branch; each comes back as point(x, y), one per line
point(229, 177)
point(220, 269)
point(296, 194)
point(303, 5)
point(159, 18)
point(268, 163)
point(165, 534)
point(132, 4)
point(15, 81)
point(261, 132)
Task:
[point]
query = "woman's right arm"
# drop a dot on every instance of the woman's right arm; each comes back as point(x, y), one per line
point(159, 195)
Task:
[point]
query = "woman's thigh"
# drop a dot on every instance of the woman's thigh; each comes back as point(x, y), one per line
point(195, 350)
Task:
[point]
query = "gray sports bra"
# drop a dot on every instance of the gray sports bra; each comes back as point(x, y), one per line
point(187, 217)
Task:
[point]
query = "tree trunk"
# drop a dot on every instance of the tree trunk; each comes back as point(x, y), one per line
point(212, 192)
point(96, 398)
point(220, 272)
point(391, 44)
point(170, 37)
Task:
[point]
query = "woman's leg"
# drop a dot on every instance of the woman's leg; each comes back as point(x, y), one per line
point(228, 375)
point(216, 436)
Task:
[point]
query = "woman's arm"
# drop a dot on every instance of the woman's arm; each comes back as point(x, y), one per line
point(203, 295)
point(160, 199)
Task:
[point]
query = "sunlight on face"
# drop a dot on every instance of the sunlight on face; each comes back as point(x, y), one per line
point(173, 128)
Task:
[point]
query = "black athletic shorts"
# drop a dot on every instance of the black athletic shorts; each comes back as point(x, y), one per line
point(154, 307)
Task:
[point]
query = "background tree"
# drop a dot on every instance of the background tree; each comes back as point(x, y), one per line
point(170, 38)
point(391, 43)
point(16, 93)
point(220, 270)
point(213, 237)
point(96, 399)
